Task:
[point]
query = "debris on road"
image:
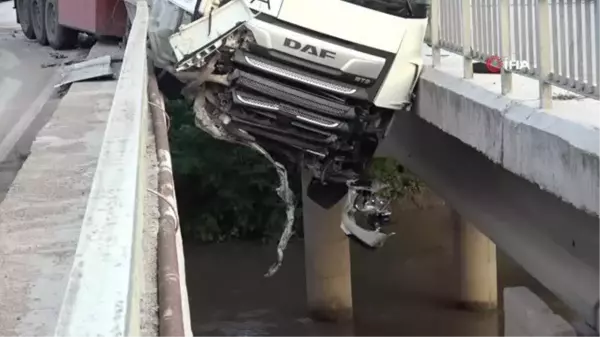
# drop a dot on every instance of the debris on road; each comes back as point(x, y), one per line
point(99, 67)
point(57, 55)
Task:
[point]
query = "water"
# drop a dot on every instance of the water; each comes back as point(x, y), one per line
point(405, 288)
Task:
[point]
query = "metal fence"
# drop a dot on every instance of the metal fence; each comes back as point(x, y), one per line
point(558, 39)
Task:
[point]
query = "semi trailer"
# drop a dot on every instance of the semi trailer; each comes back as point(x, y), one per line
point(58, 22)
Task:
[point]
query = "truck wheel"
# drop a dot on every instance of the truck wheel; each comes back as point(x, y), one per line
point(38, 21)
point(59, 37)
point(24, 13)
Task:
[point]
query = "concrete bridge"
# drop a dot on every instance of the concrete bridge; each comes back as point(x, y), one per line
point(88, 230)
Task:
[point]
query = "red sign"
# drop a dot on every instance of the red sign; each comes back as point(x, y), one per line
point(494, 64)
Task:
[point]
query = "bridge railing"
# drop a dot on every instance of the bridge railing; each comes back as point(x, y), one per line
point(558, 40)
point(103, 291)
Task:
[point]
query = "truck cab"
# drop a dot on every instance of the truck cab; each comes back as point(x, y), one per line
point(315, 81)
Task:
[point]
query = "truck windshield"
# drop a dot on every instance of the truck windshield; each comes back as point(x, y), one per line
point(410, 9)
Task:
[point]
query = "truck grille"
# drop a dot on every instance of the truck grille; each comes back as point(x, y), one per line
point(328, 85)
point(292, 107)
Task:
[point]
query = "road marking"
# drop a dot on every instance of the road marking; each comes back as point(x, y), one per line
point(28, 116)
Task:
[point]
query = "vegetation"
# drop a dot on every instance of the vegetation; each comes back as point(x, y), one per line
point(227, 191)
point(401, 182)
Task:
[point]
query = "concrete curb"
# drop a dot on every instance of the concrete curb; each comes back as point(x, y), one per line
point(561, 156)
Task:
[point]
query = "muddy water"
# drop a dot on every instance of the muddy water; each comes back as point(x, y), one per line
point(405, 288)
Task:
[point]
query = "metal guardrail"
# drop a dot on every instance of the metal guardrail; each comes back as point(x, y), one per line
point(103, 291)
point(559, 40)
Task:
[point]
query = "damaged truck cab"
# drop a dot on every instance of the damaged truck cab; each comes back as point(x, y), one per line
point(314, 83)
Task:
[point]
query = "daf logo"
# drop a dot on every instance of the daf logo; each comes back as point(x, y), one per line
point(309, 49)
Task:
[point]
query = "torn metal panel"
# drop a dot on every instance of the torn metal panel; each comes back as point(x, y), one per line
point(373, 208)
point(99, 67)
point(215, 124)
point(201, 38)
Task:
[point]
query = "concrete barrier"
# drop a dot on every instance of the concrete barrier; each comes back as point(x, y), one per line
point(525, 314)
point(559, 155)
point(103, 291)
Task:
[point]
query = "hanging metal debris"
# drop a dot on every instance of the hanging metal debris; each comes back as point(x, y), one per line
point(374, 210)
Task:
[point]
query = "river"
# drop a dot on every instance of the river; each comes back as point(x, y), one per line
point(405, 288)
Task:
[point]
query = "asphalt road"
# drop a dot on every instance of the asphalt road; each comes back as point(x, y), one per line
point(28, 72)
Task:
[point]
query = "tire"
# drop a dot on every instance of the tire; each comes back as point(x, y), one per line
point(409, 9)
point(24, 13)
point(59, 37)
point(37, 10)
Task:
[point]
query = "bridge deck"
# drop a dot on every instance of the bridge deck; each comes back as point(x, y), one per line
point(555, 148)
point(42, 213)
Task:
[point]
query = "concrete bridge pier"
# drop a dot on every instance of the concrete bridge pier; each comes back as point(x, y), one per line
point(475, 258)
point(327, 261)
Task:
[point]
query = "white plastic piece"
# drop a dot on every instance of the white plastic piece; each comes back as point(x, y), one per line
point(197, 35)
point(373, 239)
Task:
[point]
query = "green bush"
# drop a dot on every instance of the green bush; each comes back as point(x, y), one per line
point(401, 182)
point(227, 191)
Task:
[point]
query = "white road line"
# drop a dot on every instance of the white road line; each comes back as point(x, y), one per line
point(28, 116)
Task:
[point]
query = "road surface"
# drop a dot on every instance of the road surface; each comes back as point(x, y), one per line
point(28, 73)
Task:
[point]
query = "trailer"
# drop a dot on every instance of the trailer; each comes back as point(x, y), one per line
point(58, 22)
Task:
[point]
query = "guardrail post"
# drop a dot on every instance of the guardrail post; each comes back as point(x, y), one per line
point(506, 75)
point(435, 33)
point(544, 54)
point(476, 260)
point(467, 40)
point(327, 260)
